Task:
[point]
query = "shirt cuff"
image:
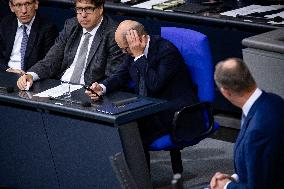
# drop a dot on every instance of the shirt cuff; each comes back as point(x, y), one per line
point(235, 177)
point(35, 76)
point(104, 88)
point(136, 58)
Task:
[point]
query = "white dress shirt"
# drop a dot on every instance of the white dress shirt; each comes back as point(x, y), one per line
point(15, 57)
point(68, 73)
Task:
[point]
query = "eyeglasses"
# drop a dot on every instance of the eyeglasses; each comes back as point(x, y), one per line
point(20, 5)
point(125, 49)
point(87, 10)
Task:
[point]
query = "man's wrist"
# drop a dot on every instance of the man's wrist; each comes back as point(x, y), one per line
point(29, 76)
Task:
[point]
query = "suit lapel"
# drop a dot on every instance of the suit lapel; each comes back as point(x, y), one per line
point(11, 38)
point(247, 122)
point(96, 41)
point(74, 44)
point(32, 38)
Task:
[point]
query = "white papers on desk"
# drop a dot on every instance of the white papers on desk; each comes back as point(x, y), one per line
point(281, 14)
point(59, 90)
point(149, 4)
point(251, 9)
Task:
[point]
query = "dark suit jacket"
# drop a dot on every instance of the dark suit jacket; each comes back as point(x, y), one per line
point(103, 57)
point(259, 149)
point(166, 77)
point(41, 38)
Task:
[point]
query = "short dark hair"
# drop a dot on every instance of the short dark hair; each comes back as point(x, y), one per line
point(97, 3)
point(236, 78)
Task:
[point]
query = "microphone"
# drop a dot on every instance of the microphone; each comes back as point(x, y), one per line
point(8, 89)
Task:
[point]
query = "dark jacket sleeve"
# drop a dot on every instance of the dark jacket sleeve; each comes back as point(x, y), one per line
point(50, 65)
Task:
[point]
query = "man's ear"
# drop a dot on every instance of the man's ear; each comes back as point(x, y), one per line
point(226, 92)
point(11, 6)
point(36, 4)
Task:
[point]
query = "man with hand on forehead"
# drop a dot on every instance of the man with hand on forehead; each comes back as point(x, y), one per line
point(158, 70)
point(25, 36)
point(84, 52)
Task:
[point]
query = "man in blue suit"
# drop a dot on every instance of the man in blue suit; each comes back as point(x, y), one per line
point(158, 70)
point(259, 149)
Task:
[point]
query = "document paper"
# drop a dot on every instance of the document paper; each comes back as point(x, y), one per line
point(251, 9)
point(149, 4)
point(59, 90)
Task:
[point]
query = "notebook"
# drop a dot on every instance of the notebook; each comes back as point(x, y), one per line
point(191, 8)
point(115, 108)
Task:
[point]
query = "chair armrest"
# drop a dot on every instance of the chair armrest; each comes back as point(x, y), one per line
point(193, 122)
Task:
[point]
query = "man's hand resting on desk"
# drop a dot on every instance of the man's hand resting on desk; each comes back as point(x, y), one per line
point(25, 82)
point(95, 92)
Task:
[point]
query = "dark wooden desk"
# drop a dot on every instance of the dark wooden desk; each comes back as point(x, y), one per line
point(45, 145)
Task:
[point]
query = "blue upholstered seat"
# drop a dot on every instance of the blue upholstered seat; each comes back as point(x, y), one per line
point(195, 50)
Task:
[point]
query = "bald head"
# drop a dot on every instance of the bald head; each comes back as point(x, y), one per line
point(234, 75)
point(123, 27)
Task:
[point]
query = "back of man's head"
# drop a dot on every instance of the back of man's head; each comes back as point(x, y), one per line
point(233, 74)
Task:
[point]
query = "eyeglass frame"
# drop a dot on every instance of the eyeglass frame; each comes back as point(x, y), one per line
point(92, 10)
point(19, 5)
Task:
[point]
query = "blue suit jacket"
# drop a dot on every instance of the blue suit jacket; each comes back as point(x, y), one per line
point(166, 77)
point(259, 149)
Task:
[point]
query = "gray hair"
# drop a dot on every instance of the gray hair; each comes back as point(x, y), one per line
point(235, 77)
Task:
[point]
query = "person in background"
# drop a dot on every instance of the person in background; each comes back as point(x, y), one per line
point(259, 149)
point(158, 70)
point(25, 36)
point(84, 52)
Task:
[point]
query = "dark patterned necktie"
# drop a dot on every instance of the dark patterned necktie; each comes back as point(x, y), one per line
point(80, 63)
point(24, 46)
point(142, 86)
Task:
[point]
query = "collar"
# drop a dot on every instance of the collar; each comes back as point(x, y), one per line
point(147, 46)
point(94, 31)
point(255, 95)
point(28, 25)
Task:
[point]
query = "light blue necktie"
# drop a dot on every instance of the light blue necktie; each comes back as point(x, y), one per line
point(24, 46)
point(243, 119)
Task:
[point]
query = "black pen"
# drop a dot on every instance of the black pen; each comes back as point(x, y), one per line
point(92, 91)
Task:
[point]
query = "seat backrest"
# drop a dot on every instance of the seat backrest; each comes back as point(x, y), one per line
point(194, 47)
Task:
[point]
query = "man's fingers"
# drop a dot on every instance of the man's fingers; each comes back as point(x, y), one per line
point(213, 182)
point(21, 83)
point(223, 176)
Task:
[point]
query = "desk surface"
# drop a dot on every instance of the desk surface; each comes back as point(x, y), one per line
point(204, 18)
point(75, 108)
